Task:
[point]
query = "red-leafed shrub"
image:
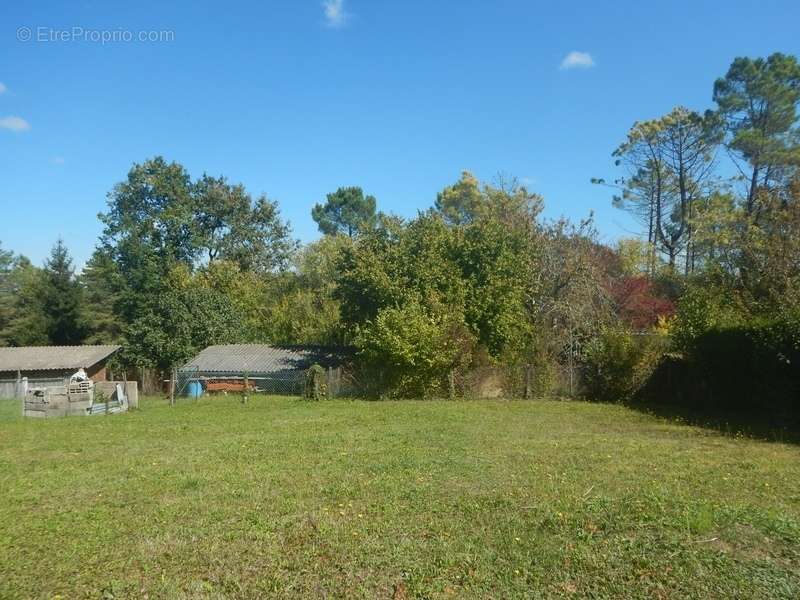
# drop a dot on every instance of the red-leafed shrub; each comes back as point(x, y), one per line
point(638, 304)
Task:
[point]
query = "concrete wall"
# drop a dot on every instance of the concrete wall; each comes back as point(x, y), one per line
point(55, 402)
point(11, 388)
point(109, 389)
point(132, 391)
point(8, 388)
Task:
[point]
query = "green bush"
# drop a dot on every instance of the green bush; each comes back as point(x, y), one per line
point(746, 370)
point(315, 387)
point(410, 351)
point(616, 364)
point(749, 367)
point(702, 309)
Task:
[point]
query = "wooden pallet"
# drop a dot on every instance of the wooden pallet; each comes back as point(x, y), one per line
point(234, 385)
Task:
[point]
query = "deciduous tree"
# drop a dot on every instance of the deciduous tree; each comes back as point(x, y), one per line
point(232, 226)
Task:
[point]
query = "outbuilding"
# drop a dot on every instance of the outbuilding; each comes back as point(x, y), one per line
point(41, 366)
point(259, 367)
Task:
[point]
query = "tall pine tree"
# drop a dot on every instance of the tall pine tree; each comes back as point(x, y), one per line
point(6, 295)
point(62, 299)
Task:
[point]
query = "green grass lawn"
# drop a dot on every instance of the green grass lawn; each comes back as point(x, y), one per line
point(213, 499)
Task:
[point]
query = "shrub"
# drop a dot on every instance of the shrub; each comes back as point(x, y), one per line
point(747, 370)
point(750, 367)
point(702, 309)
point(616, 364)
point(315, 387)
point(411, 350)
point(638, 302)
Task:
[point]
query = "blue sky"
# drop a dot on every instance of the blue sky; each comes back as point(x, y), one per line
point(294, 99)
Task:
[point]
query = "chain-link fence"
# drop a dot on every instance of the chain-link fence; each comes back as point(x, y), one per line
point(195, 383)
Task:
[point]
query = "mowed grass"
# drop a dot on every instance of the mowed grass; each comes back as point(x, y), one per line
point(490, 499)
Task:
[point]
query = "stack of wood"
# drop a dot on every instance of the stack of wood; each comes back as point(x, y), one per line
point(230, 385)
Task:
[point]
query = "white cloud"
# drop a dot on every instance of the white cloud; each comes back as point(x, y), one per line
point(58, 160)
point(335, 15)
point(14, 124)
point(577, 60)
point(3, 88)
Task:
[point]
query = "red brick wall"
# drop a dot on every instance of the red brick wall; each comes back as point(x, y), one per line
point(97, 372)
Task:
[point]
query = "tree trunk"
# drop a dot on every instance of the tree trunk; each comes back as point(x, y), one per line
point(751, 196)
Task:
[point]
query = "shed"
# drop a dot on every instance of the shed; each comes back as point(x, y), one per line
point(261, 367)
point(39, 366)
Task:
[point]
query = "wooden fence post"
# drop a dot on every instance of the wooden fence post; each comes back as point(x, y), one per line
point(528, 382)
point(172, 387)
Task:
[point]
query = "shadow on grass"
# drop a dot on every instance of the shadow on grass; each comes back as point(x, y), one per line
point(769, 428)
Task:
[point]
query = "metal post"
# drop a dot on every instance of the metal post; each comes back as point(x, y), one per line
point(528, 382)
point(571, 351)
point(172, 387)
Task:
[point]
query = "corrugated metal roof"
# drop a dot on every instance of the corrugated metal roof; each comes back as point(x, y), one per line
point(44, 358)
point(260, 358)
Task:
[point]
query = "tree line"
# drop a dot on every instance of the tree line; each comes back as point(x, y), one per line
point(718, 195)
point(478, 279)
point(478, 282)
